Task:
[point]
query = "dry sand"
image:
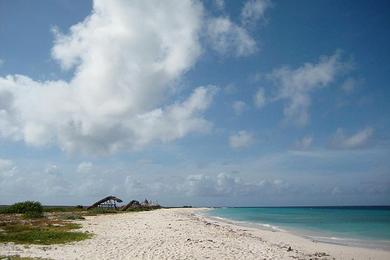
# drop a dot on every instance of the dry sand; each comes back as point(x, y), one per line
point(180, 234)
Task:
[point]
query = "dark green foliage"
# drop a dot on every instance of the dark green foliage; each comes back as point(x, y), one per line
point(24, 207)
point(33, 214)
point(72, 217)
point(136, 209)
point(29, 209)
point(62, 208)
point(96, 211)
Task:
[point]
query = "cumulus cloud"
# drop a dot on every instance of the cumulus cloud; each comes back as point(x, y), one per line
point(205, 185)
point(254, 10)
point(357, 140)
point(272, 179)
point(241, 139)
point(239, 107)
point(224, 184)
point(259, 98)
point(296, 85)
point(127, 59)
point(228, 38)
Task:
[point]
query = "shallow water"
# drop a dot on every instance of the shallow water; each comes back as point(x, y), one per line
point(363, 226)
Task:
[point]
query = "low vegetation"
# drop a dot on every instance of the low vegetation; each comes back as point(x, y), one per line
point(44, 232)
point(16, 257)
point(29, 209)
point(27, 223)
point(97, 211)
point(30, 223)
point(136, 209)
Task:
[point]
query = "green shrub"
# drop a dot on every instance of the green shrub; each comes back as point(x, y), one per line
point(73, 217)
point(33, 214)
point(103, 211)
point(26, 206)
point(29, 209)
point(63, 208)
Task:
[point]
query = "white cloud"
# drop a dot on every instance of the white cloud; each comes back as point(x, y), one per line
point(296, 85)
point(357, 140)
point(304, 143)
point(224, 184)
point(84, 167)
point(5, 164)
point(241, 140)
point(227, 38)
point(205, 185)
point(271, 179)
point(259, 98)
point(219, 4)
point(7, 169)
point(239, 107)
point(52, 169)
point(125, 73)
point(253, 10)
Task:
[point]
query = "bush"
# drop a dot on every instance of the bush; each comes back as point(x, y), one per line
point(33, 214)
point(72, 217)
point(61, 209)
point(30, 209)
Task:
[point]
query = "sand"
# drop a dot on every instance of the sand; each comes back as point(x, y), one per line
point(183, 234)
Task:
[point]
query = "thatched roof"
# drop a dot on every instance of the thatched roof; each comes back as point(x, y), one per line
point(131, 204)
point(104, 200)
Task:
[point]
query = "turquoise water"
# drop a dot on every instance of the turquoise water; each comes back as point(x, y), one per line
point(330, 224)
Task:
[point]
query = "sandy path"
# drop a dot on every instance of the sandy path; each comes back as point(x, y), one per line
point(178, 234)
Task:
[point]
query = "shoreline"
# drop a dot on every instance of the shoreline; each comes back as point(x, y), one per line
point(317, 237)
point(184, 234)
point(336, 250)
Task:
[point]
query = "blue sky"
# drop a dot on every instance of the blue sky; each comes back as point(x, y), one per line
point(203, 102)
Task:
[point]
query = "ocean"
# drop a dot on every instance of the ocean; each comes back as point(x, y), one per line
point(360, 226)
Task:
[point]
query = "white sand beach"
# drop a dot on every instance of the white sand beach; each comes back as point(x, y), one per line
point(182, 234)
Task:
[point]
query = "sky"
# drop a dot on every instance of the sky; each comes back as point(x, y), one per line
point(204, 103)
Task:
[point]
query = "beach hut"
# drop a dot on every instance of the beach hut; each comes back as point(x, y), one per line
point(132, 204)
point(145, 203)
point(108, 202)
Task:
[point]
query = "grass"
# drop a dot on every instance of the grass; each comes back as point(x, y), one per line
point(62, 209)
point(72, 217)
point(141, 209)
point(16, 257)
point(53, 226)
point(39, 231)
point(6, 209)
point(98, 211)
